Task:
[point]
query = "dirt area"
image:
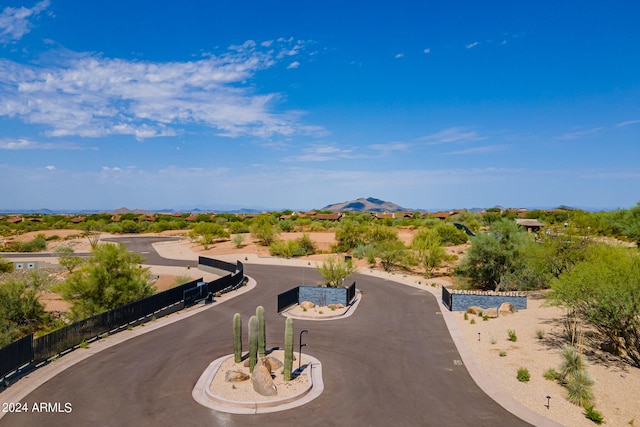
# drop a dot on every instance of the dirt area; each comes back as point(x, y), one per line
point(243, 391)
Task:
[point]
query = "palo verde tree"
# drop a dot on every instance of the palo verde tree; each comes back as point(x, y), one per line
point(206, 233)
point(111, 277)
point(430, 253)
point(335, 271)
point(21, 311)
point(495, 256)
point(604, 290)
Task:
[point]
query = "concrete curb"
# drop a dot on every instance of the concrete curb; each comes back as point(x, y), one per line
point(350, 310)
point(205, 397)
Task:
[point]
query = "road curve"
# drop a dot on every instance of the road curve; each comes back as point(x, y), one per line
point(392, 363)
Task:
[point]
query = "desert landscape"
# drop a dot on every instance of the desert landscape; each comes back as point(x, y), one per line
point(539, 330)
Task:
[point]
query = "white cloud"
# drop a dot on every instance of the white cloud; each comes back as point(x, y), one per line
point(29, 144)
point(294, 64)
point(452, 135)
point(321, 153)
point(628, 123)
point(427, 50)
point(15, 23)
point(472, 45)
point(51, 168)
point(390, 146)
point(483, 149)
point(91, 96)
point(580, 134)
point(399, 55)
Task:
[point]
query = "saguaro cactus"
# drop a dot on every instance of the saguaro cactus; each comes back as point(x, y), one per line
point(237, 338)
point(288, 349)
point(253, 342)
point(262, 339)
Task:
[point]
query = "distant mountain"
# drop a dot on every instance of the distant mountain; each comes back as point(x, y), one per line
point(369, 204)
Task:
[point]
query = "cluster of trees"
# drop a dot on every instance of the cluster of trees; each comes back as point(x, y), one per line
point(596, 282)
point(109, 278)
point(21, 311)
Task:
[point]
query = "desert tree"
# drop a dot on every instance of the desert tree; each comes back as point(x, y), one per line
point(604, 290)
point(111, 277)
point(334, 271)
point(67, 258)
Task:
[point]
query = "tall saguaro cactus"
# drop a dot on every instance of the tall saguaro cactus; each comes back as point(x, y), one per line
point(253, 342)
point(288, 349)
point(237, 338)
point(262, 339)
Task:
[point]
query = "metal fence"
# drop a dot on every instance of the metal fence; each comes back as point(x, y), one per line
point(37, 350)
point(288, 298)
point(16, 354)
point(447, 298)
point(351, 293)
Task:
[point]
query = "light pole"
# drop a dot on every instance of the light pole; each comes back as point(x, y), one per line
point(548, 401)
point(301, 345)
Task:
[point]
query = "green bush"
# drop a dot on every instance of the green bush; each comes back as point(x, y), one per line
point(579, 388)
point(591, 414)
point(523, 375)
point(512, 335)
point(551, 374)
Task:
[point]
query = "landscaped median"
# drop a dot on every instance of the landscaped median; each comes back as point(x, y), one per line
point(213, 391)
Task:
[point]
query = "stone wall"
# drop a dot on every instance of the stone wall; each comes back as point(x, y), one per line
point(461, 300)
point(322, 296)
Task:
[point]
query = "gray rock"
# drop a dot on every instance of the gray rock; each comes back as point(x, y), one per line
point(235, 376)
point(506, 308)
point(262, 381)
point(491, 313)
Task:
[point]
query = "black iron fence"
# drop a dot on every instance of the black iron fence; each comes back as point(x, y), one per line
point(288, 298)
point(28, 350)
point(16, 354)
point(351, 293)
point(447, 298)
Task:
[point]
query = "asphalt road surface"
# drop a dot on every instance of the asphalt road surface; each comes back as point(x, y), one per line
point(393, 363)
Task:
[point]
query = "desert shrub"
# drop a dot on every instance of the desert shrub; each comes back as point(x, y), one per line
point(512, 335)
point(502, 353)
point(551, 374)
point(473, 321)
point(523, 375)
point(540, 334)
point(466, 316)
point(592, 414)
point(572, 362)
point(579, 388)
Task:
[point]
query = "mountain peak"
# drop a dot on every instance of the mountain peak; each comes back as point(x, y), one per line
point(369, 204)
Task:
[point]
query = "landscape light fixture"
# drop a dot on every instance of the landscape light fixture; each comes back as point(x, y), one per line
point(301, 345)
point(478, 336)
point(548, 400)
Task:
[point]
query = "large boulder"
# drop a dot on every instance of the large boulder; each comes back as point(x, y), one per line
point(275, 363)
point(491, 313)
point(262, 381)
point(474, 309)
point(506, 308)
point(235, 376)
point(307, 304)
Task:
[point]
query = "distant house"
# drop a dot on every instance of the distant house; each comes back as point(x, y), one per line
point(329, 217)
point(531, 225)
point(442, 215)
point(15, 220)
point(78, 219)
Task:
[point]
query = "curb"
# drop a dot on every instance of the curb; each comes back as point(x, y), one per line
point(203, 395)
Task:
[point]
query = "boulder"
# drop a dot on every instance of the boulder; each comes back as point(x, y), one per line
point(275, 363)
point(307, 304)
point(506, 308)
point(339, 306)
point(474, 309)
point(266, 362)
point(235, 376)
point(262, 381)
point(491, 313)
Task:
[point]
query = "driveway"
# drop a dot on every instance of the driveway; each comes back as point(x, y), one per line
point(393, 363)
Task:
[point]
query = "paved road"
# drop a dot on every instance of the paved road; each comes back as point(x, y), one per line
point(390, 364)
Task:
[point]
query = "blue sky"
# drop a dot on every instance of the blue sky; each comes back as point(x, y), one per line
point(282, 104)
